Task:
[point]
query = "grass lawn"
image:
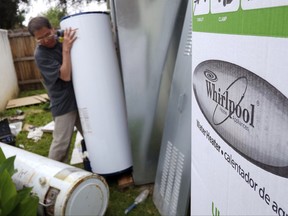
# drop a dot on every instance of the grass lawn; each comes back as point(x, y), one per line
point(119, 198)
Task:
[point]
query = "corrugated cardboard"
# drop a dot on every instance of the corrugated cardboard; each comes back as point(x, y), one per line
point(25, 101)
point(239, 108)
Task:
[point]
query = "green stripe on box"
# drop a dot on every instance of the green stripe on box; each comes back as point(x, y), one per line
point(259, 22)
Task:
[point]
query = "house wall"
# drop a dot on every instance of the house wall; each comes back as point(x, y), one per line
point(8, 78)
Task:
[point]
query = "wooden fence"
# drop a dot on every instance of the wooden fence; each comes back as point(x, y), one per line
point(22, 47)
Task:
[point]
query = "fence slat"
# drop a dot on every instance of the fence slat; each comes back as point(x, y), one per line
point(22, 47)
point(28, 58)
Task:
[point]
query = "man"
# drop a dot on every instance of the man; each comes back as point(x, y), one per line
point(54, 62)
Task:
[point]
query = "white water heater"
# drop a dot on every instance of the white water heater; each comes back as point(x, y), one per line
point(99, 92)
point(62, 189)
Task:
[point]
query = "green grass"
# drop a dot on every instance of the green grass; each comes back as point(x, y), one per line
point(119, 198)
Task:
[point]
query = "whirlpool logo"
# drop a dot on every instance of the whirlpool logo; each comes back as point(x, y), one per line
point(226, 106)
point(249, 113)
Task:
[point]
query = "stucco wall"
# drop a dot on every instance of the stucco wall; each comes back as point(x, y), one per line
point(8, 80)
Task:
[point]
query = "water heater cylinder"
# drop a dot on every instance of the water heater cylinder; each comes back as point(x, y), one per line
point(62, 189)
point(99, 92)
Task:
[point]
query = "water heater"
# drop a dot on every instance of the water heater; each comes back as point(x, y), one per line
point(99, 92)
point(62, 189)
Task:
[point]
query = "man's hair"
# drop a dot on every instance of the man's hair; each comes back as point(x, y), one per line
point(37, 23)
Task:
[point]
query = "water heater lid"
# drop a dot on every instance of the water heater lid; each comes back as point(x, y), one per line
point(84, 13)
point(89, 198)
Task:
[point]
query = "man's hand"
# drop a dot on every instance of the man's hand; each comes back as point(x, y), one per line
point(66, 67)
point(69, 38)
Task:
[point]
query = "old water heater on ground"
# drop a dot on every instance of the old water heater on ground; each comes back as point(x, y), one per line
point(99, 92)
point(62, 189)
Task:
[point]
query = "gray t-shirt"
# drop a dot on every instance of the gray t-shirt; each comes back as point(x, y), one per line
point(61, 93)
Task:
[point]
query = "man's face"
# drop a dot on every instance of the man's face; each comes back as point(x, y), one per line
point(45, 37)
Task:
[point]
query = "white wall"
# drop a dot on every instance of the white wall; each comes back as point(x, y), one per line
point(8, 79)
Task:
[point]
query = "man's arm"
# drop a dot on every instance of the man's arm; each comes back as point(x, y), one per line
point(66, 67)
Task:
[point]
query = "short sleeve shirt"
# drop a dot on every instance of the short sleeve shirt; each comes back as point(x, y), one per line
point(61, 93)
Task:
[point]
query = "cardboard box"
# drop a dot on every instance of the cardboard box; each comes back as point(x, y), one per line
point(240, 108)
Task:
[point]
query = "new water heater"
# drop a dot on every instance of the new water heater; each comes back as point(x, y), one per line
point(99, 92)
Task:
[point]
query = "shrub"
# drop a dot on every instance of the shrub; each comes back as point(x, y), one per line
point(12, 201)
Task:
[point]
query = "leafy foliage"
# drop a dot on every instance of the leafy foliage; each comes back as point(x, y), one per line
point(10, 15)
point(13, 202)
point(68, 3)
point(54, 15)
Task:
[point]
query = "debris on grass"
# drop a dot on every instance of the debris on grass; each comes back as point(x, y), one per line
point(35, 134)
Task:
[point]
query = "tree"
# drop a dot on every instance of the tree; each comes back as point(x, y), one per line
point(66, 3)
point(10, 15)
point(54, 15)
